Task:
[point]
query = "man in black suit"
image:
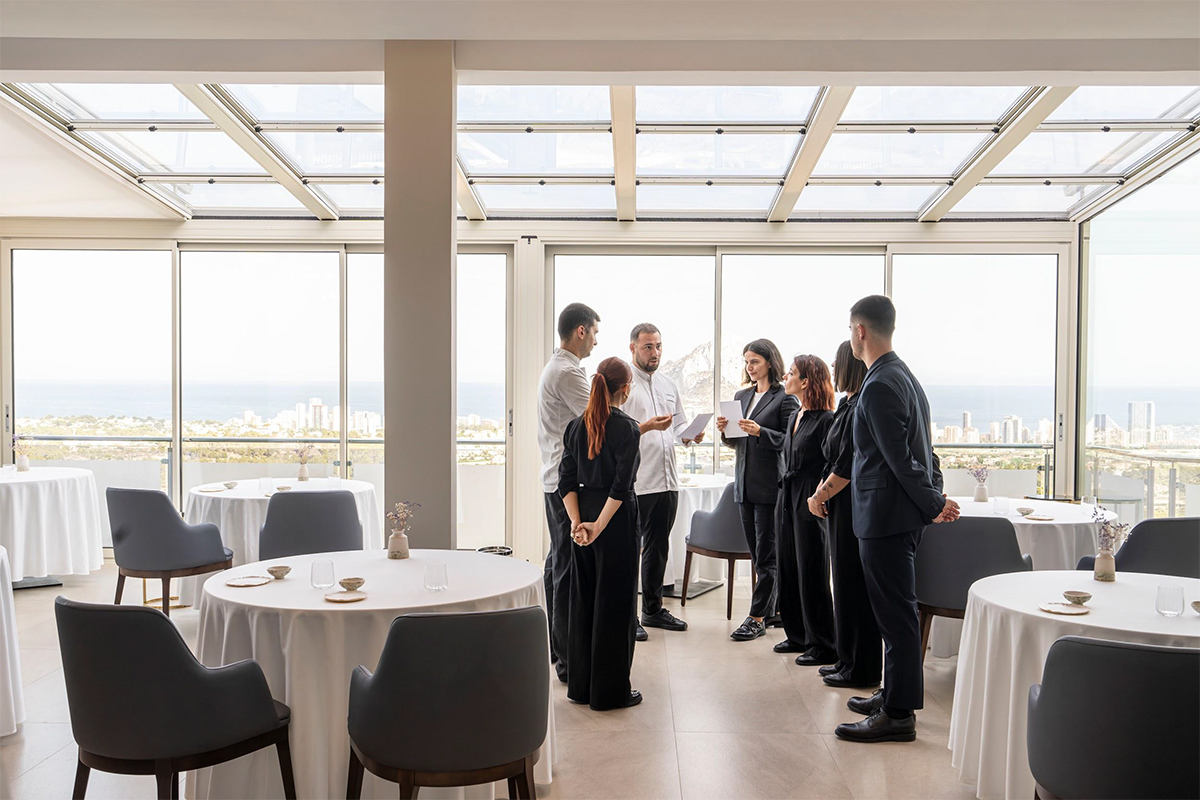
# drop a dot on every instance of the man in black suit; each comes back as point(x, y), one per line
point(897, 491)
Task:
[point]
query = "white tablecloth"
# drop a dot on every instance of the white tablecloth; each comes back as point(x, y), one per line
point(308, 647)
point(12, 701)
point(241, 511)
point(1053, 544)
point(50, 521)
point(700, 493)
point(1004, 645)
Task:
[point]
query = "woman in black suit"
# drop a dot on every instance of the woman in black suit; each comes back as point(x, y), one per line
point(804, 601)
point(859, 648)
point(595, 479)
point(759, 465)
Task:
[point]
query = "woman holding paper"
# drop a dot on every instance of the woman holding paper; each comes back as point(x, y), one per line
point(754, 429)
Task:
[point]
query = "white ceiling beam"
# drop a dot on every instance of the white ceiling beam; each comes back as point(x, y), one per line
point(245, 137)
point(1012, 132)
point(830, 106)
point(624, 138)
point(466, 194)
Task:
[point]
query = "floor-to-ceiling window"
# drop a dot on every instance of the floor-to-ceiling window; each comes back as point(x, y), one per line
point(92, 363)
point(1140, 402)
point(364, 367)
point(979, 332)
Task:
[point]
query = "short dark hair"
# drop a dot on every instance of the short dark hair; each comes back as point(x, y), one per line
point(767, 349)
point(848, 371)
point(640, 328)
point(877, 312)
point(572, 317)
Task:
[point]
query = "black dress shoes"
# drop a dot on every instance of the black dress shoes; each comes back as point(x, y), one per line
point(635, 697)
point(641, 635)
point(788, 646)
point(748, 631)
point(664, 619)
point(879, 727)
point(866, 705)
point(830, 669)
point(840, 681)
point(812, 659)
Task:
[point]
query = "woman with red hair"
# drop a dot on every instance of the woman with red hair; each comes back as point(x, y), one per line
point(595, 479)
point(803, 555)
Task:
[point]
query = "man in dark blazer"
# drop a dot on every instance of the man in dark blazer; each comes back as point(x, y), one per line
point(897, 491)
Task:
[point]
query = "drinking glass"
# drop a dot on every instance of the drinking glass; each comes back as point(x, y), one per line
point(435, 577)
point(322, 574)
point(335, 481)
point(266, 485)
point(1000, 506)
point(1170, 601)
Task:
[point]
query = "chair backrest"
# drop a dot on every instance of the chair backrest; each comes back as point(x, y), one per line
point(149, 534)
point(953, 555)
point(721, 528)
point(1116, 720)
point(310, 522)
point(135, 691)
point(485, 673)
point(1167, 546)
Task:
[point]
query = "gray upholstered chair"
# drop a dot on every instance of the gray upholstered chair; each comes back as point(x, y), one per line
point(718, 534)
point(953, 555)
point(141, 704)
point(299, 523)
point(151, 540)
point(457, 700)
point(1115, 720)
point(1166, 546)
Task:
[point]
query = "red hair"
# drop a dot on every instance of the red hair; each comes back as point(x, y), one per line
point(611, 376)
point(818, 395)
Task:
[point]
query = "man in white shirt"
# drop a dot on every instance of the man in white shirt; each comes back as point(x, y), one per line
point(562, 396)
point(655, 402)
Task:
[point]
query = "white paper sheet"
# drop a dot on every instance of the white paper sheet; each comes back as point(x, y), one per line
point(697, 425)
point(732, 411)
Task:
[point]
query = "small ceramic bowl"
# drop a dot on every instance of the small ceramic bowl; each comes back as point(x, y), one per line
point(1077, 598)
point(283, 488)
point(230, 484)
point(1196, 606)
point(1024, 511)
point(352, 584)
point(279, 572)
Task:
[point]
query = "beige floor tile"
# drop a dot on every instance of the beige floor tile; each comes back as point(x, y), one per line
point(32, 744)
point(649, 676)
point(757, 765)
point(736, 695)
point(636, 764)
point(53, 779)
point(917, 770)
point(38, 663)
point(46, 699)
point(708, 637)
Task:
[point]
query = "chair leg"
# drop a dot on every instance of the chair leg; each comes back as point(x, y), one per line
point(526, 788)
point(729, 600)
point(283, 749)
point(687, 576)
point(81, 778)
point(120, 587)
point(926, 624)
point(408, 789)
point(174, 786)
point(355, 777)
point(164, 785)
point(166, 598)
point(513, 791)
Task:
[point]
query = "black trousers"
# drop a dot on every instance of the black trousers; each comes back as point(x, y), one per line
point(859, 648)
point(603, 594)
point(889, 567)
point(557, 580)
point(758, 523)
point(656, 517)
point(805, 604)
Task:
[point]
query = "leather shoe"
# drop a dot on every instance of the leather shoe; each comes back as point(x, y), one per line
point(879, 727)
point(664, 619)
point(748, 631)
point(840, 681)
point(641, 634)
point(866, 705)
point(788, 646)
point(830, 669)
point(635, 697)
point(811, 660)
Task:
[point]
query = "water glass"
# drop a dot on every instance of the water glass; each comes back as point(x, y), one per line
point(1000, 506)
point(335, 481)
point(322, 574)
point(435, 577)
point(1170, 601)
point(1089, 500)
point(266, 485)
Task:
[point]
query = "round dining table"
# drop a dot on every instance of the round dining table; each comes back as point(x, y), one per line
point(696, 493)
point(12, 700)
point(50, 521)
point(239, 513)
point(1005, 641)
point(308, 647)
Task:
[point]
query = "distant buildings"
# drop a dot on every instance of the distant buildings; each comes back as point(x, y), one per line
point(1141, 423)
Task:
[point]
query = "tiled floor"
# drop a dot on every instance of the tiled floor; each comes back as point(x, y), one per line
point(720, 720)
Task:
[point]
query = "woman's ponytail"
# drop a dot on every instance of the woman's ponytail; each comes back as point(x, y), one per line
point(611, 376)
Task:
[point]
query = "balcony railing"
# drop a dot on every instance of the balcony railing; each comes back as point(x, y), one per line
point(1141, 483)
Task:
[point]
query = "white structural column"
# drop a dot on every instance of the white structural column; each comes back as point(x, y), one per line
point(419, 242)
point(529, 534)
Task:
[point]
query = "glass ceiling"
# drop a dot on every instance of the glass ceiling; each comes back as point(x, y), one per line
point(703, 152)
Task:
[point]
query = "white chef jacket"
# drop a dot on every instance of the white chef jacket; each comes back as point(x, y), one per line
point(653, 395)
point(563, 393)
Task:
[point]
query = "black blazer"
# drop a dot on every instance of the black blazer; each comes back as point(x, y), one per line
point(897, 482)
point(759, 465)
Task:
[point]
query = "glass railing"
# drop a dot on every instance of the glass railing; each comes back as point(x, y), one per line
point(1138, 484)
point(1014, 470)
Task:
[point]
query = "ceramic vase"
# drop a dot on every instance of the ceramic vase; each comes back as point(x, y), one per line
point(1106, 566)
point(22, 463)
point(398, 544)
point(302, 475)
point(981, 495)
